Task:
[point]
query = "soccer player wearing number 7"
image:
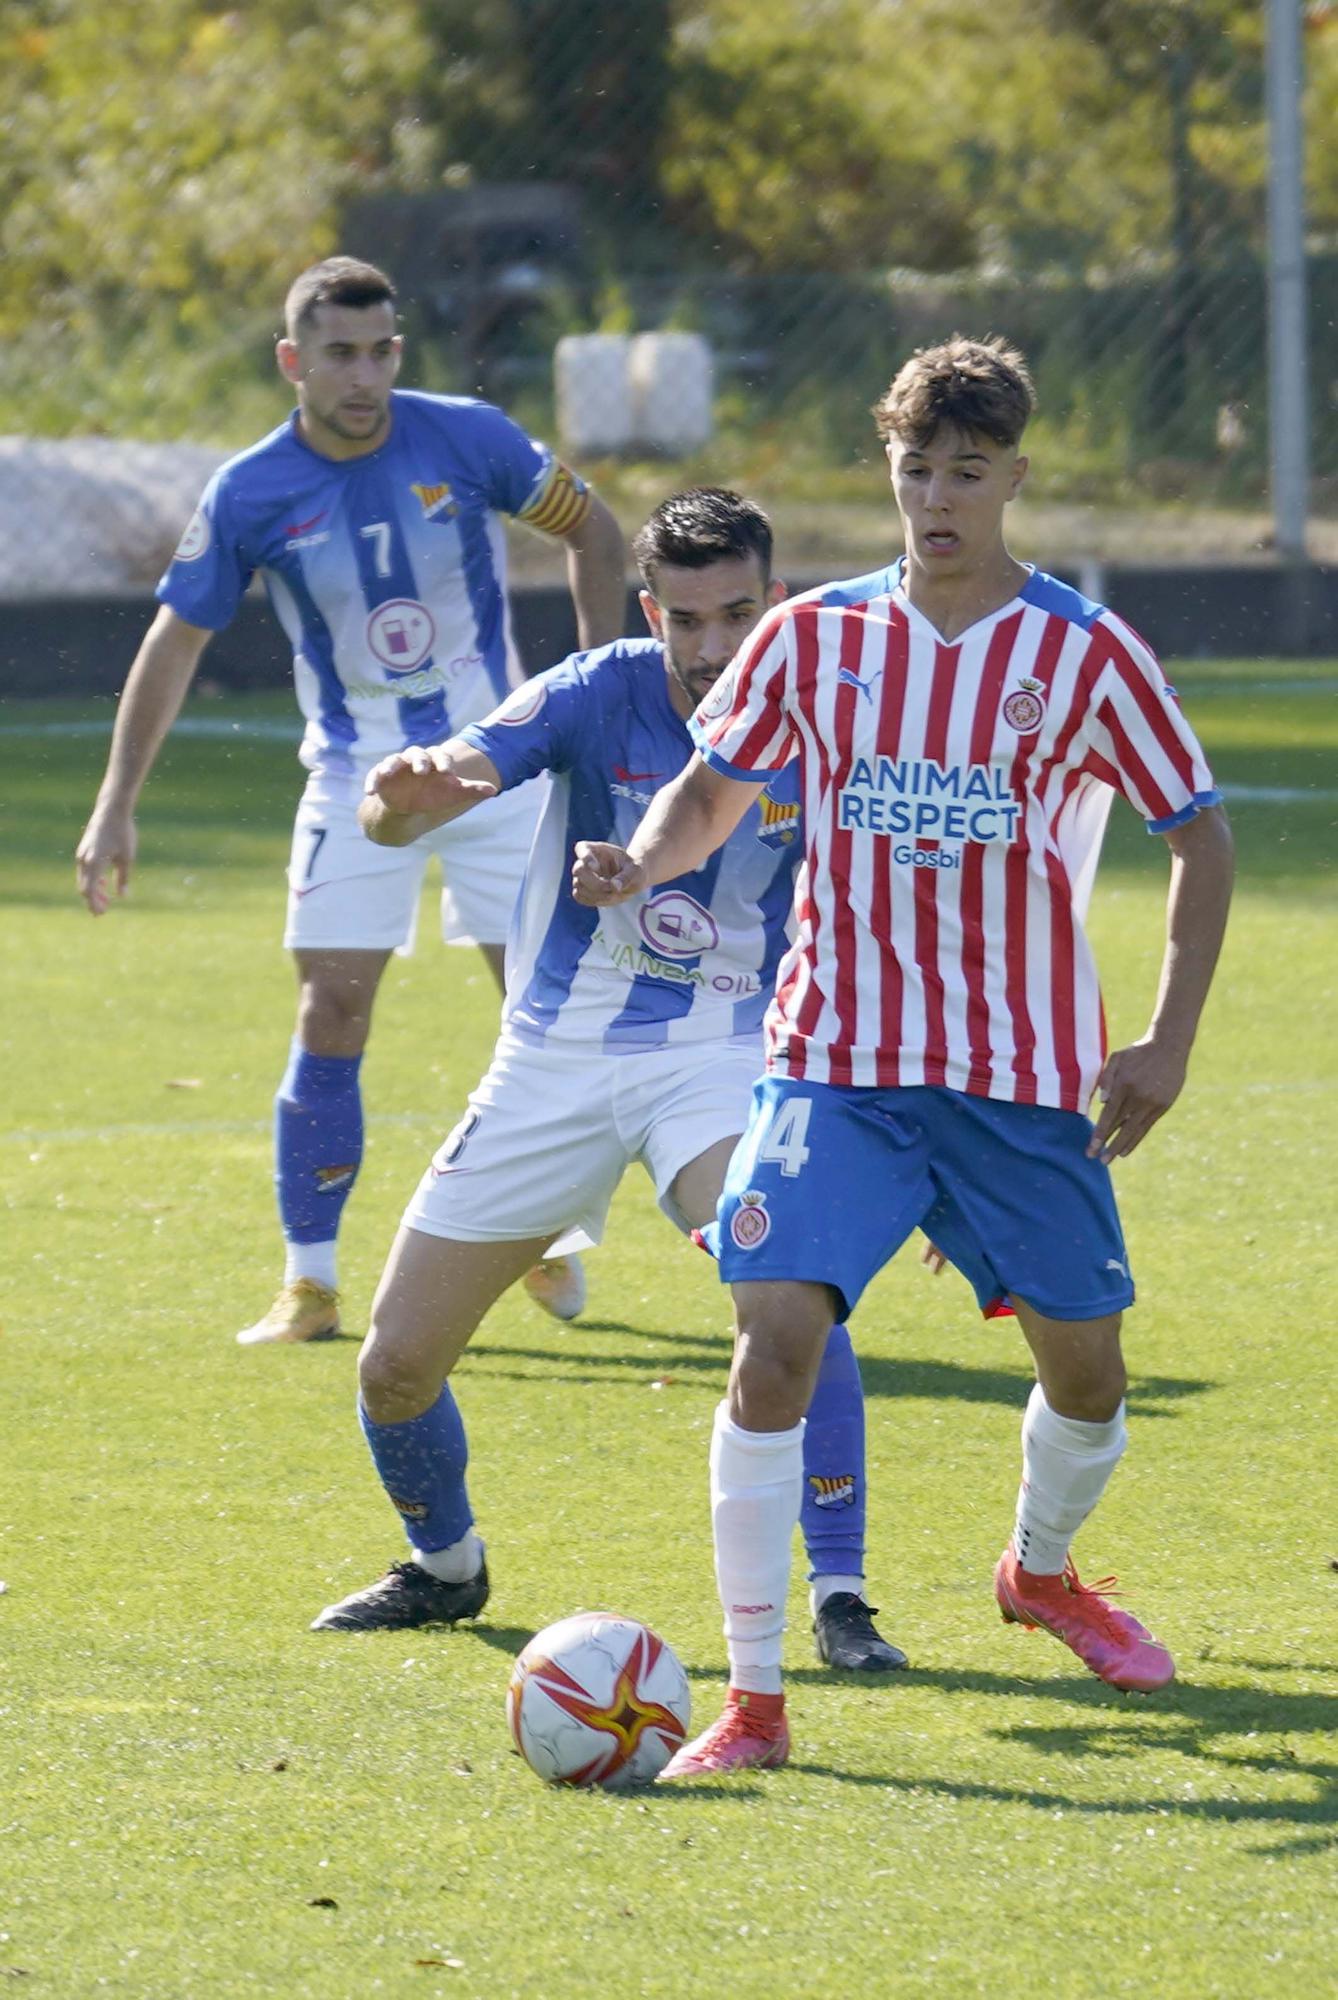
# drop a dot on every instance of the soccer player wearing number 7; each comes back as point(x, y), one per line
point(958, 721)
point(374, 517)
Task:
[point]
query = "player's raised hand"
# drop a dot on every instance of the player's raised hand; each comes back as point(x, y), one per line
point(107, 846)
point(421, 780)
point(1137, 1086)
point(603, 874)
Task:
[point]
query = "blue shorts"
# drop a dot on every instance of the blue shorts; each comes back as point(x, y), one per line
point(828, 1181)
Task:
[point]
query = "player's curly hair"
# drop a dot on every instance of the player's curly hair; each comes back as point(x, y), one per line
point(981, 387)
point(337, 281)
point(706, 524)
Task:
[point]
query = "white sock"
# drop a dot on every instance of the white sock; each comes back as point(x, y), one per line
point(1066, 1465)
point(310, 1260)
point(823, 1587)
point(456, 1564)
point(756, 1487)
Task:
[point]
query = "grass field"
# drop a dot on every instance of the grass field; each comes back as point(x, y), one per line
point(200, 1797)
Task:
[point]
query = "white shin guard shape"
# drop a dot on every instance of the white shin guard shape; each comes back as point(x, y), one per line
point(1066, 1465)
point(756, 1488)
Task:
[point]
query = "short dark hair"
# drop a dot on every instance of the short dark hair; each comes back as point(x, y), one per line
point(981, 387)
point(706, 524)
point(338, 281)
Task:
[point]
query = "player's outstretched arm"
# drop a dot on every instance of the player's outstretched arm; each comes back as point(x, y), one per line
point(423, 787)
point(1140, 1083)
point(686, 823)
point(154, 691)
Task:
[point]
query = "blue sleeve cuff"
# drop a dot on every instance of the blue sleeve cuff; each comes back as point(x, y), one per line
point(1196, 805)
point(204, 621)
point(726, 769)
point(485, 740)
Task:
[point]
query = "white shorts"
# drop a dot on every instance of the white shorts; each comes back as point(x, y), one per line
point(550, 1132)
point(347, 894)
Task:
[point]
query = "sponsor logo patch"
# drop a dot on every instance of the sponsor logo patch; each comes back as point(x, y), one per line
point(195, 540)
point(676, 926)
point(750, 1224)
point(949, 803)
point(401, 633)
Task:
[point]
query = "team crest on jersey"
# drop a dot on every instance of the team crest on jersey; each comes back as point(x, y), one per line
point(675, 925)
point(1024, 710)
point(195, 540)
point(435, 500)
point(750, 1224)
point(780, 821)
point(833, 1492)
point(401, 633)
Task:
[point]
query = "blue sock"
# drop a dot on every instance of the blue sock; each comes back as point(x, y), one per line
point(833, 1511)
point(422, 1464)
point(317, 1143)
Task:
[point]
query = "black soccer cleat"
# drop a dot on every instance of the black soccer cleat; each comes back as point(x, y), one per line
point(407, 1595)
point(845, 1637)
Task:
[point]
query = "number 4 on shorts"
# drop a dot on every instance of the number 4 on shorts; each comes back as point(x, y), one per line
point(785, 1136)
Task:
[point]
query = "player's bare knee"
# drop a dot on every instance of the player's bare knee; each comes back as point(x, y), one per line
point(392, 1381)
point(334, 1020)
point(1090, 1388)
point(771, 1384)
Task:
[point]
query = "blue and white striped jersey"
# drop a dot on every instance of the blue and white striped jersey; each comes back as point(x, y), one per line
point(693, 961)
point(387, 572)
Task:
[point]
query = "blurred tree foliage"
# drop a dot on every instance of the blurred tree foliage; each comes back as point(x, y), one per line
point(935, 134)
point(166, 167)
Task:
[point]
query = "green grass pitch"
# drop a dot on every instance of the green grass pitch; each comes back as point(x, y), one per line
point(201, 1798)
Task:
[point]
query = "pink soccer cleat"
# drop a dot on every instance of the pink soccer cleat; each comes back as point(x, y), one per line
point(752, 1734)
point(1108, 1640)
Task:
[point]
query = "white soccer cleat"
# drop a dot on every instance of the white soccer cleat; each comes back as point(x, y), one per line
point(558, 1285)
point(303, 1310)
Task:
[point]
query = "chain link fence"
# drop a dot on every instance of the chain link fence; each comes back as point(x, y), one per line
point(791, 195)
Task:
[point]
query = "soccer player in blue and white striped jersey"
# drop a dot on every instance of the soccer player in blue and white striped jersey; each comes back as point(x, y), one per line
point(373, 516)
point(630, 1038)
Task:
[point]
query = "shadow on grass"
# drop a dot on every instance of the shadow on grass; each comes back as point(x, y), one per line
point(1184, 1718)
point(702, 1356)
point(1319, 1814)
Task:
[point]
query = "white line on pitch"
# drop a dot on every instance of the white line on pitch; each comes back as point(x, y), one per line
point(197, 1128)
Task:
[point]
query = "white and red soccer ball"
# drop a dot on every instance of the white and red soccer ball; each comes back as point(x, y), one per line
point(598, 1700)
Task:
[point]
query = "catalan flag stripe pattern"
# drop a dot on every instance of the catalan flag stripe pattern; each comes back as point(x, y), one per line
point(561, 503)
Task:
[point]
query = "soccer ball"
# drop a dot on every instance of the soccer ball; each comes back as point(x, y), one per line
point(598, 1700)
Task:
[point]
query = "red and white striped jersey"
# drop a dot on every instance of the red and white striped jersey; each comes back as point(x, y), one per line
point(954, 802)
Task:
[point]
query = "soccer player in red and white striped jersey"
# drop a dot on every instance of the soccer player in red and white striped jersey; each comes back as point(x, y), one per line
point(961, 722)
